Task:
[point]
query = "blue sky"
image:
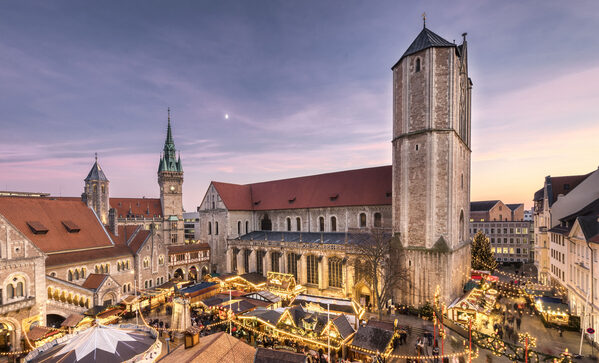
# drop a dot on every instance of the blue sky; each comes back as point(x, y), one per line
point(307, 86)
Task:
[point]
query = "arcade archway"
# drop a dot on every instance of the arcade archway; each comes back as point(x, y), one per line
point(54, 320)
point(193, 274)
point(204, 271)
point(179, 274)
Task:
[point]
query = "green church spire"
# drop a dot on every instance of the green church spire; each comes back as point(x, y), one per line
point(168, 160)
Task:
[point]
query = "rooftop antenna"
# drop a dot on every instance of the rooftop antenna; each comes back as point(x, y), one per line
point(424, 20)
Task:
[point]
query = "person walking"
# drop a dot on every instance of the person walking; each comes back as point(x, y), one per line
point(518, 322)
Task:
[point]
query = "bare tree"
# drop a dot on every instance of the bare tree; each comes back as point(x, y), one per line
point(379, 254)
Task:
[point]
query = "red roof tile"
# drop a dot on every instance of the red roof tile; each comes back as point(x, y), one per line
point(140, 237)
point(94, 281)
point(370, 186)
point(137, 207)
point(559, 183)
point(125, 233)
point(68, 258)
point(51, 213)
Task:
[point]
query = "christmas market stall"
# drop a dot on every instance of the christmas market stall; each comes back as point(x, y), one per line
point(553, 310)
point(198, 292)
point(371, 343)
point(100, 343)
point(273, 301)
point(333, 305)
point(475, 305)
point(39, 335)
point(283, 285)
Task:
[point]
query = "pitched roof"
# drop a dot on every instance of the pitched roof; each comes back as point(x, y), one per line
point(94, 281)
point(137, 207)
point(96, 173)
point(369, 186)
point(424, 40)
point(270, 316)
point(372, 338)
point(564, 184)
point(264, 355)
point(51, 213)
point(589, 226)
point(214, 348)
point(515, 206)
point(482, 206)
point(137, 241)
point(343, 326)
point(68, 258)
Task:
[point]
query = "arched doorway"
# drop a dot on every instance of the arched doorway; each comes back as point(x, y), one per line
point(363, 295)
point(7, 337)
point(179, 274)
point(266, 223)
point(193, 274)
point(109, 299)
point(54, 320)
point(204, 271)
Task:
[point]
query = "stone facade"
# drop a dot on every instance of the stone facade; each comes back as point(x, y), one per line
point(431, 168)
point(23, 289)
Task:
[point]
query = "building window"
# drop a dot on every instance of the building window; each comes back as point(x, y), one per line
point(377, 220)
point(417, 64)
point(362, 220)
point(173, 226)
point(10, 291)
point(266, 223)
point(292, 259)
point(260, 261)
point(321, 224)
point(461, 233)
point(312, 269)
point(288, 224)
point(234, 262)
point(70, 275)
point(160, 261)
point(335, 272)
point(298, 224)
point(216, 228)
point(147, 262)
point(239, 228)
point(274, 261)
point(333, 224)
point(247, 227)
point(20, 289)
point(209, 227)
point(173, 238)
point(76, 274)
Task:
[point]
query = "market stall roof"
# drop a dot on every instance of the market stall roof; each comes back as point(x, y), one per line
point(39, 332)
point(343, 326)
point(267, 315)
point(264, 295)
point(264, 355)
point(335, 305)
point(254, 278)
point(372, 338)
point(216, 300)
point(385, 325)
point(215, 348)
point(197, 288)
point(72, 320)
point(552, 303)
point(96, 344)
point(129, 299)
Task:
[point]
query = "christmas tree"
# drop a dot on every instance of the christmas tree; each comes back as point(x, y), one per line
point(482, 256)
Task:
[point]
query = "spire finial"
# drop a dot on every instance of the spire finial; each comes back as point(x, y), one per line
point(168, 110)
point(424, 20)
point(96, 156)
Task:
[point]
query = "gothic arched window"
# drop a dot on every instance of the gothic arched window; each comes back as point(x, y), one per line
point(247, 226)
point(461, 226)
point(298, 224)
point(362, 220)
point(209, 227)
point(20, 289)
point(266, 223)
point(312, 269)
point(288, 224)
point(321, 224)
point(216, 228)
point(333, 224)
point(335, 272)
point(239, 228)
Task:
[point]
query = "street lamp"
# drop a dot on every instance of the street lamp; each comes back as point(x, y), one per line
point(135, 293)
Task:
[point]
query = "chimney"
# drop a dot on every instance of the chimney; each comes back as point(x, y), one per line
point(113, 223)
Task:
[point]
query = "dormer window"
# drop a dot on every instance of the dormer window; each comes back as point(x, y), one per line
point(37, 227)
point(334, 196)
point(71, 226)
point(291, 199)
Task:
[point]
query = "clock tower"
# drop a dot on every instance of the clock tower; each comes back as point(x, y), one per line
point(170, 180)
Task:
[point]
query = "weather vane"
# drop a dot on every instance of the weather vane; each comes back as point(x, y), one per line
point(424, 19)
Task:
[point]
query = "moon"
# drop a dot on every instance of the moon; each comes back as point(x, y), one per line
point(226, 116)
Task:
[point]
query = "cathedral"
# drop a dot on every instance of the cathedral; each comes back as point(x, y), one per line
point(300, 225)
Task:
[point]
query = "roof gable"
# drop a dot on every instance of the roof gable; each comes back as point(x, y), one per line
point(94, 281)
point(50, 214)
point(483, 206)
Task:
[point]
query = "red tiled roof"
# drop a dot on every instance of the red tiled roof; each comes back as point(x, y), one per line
point(188, 248)
point(51, 213)
point(67, 258)
point(137, 207)
point(140, 237)
point(125, 233)
point(94, 281)
point(370, 186)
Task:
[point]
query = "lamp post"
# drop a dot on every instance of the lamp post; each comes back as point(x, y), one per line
point(329, 333)
point(135, 293)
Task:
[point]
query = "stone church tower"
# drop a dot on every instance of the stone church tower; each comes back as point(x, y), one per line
point(431, 167)
point(95, 193)
point(170, 180)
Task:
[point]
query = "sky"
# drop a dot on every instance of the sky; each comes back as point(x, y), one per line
point(306, 86)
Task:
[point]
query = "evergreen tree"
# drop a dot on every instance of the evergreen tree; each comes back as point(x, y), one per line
point(482, 256)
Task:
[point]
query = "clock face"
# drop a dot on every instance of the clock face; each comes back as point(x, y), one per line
point(172, 188)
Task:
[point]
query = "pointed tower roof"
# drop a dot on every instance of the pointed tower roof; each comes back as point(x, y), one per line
point(96, 172)
point(168, 160)
point(426, 39)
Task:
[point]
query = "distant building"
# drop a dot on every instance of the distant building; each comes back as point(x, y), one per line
point(191, 227)
point(529, 214)
point(511, 237)
point(570, 208)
